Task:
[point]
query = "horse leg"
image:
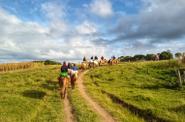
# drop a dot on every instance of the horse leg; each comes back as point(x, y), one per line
point(73, 83)
point(62, 92)
point(65, 92)
point(66, 86)
point(69, 84)
point(59, 82)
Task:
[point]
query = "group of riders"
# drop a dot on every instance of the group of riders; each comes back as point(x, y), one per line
point(96, 58)
point(68, 69)
point(69, 72)
point(94, 62)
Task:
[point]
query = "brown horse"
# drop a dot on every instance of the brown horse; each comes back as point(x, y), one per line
point(63, 83)
point(103, 62)
point(113, 61)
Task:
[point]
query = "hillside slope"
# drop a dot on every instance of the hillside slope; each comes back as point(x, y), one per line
point(143, 91)
point(30, 95)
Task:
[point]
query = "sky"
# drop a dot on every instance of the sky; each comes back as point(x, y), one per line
point(71, 29)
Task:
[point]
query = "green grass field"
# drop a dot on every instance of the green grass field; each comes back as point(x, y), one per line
point(30, 95)
point(138, 91)
point(130, 92)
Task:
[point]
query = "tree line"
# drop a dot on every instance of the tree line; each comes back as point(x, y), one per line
point(165, 55)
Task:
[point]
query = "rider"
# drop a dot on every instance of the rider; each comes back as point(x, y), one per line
point(96, 57)
point(102, 58)
point(69, 65)
point(84, 59)
point(91, 59)
point(74, 68)
point(64, 70)
point(113, 57)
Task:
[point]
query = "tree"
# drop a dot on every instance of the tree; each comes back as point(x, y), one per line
point(166, 55)
point(49, 62)
point(150, 57)
point(121, 58)
point(178, 55)
point(126, 58)
point(139, 57)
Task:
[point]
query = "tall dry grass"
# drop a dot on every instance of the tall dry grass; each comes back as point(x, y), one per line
point(18, 66)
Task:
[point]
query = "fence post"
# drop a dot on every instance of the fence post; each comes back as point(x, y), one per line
point(179, 78)
point(184, 77)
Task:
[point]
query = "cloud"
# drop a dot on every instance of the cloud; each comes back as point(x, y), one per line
point(71, 31)
point(31, 41)
point(154, 21)
point(86, 28)
point(153, 29)
point(53, 10)
point(56, 14)
point(102, 8)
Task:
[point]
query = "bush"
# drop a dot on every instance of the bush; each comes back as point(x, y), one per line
point(49, 62)
point(178, 55)
point(139, 57)
point(125, 58)
point(150, 57)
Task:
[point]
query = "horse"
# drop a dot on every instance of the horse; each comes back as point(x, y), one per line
point(73, 77)
point(103, 62)
point(156, 57)
point(63, 83)
point(113, 61)
point(94, 63)
point(84, 65)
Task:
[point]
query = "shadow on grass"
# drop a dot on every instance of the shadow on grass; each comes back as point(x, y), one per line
point(180, 109)
point(34, 94)
point(50, 85)
point(170, 85)
point(147, 114)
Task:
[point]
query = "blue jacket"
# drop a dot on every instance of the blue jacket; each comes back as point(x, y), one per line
point(75, 68)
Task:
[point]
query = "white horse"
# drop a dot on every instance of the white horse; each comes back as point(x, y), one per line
point(73, 77)
point(93, 63)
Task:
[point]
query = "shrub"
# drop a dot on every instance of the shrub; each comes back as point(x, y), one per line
point(139, 57)
point(125, 58)
point(150, 57)
point(178, 55)
point(49, 62)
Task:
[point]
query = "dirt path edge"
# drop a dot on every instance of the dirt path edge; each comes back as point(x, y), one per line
point(105, 116)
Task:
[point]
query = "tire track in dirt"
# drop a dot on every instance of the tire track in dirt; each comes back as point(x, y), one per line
point(68, 115)
point(105, 116)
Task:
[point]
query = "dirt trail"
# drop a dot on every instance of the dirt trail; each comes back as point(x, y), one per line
point(105, 116)
point(68, 111)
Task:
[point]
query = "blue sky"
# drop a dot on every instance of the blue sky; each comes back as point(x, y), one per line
point(71, 29)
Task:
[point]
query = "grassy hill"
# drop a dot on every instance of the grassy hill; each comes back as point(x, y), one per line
point(140, 91)
point(30, 95)
point(130, 92)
